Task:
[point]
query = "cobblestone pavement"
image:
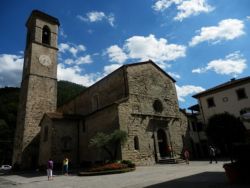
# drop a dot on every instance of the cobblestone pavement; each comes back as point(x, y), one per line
point(199, 174)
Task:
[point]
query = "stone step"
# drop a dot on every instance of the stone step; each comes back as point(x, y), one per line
point(171, 161)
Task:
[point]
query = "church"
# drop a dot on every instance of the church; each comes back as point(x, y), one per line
point(138, 98)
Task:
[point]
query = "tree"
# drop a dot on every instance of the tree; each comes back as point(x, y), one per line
point(225, 129)
point(109, 142)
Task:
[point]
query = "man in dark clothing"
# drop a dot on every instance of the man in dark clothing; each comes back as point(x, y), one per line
point(212, 154)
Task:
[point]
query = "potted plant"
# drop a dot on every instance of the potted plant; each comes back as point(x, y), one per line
point(238, 170)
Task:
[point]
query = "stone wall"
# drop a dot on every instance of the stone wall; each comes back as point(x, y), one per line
point(53, 28)
point(105, 121)
point(39, 96)
point(35, 67)
point(45, 141)
point(38, 90)
point(65, 140)
point(148, 84)
point(136, 126)
point(103, 93)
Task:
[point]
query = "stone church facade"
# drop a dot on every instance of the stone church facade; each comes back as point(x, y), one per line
point(137, 98)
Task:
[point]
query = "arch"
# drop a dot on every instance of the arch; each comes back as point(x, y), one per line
point(136, 143)
point(46, 35)
point(162, 143)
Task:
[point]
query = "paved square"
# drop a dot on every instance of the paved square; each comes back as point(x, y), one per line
point(199, 174)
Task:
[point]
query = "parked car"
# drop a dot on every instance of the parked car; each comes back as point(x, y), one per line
point(5, 167)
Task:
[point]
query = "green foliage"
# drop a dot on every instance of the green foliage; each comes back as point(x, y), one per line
point(100, 140)
point(109, 142)
point(225, 129)
point(118, 136)
point(9, 98)
point(67, 90)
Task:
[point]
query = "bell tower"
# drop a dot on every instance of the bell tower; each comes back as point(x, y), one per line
point(38, 93)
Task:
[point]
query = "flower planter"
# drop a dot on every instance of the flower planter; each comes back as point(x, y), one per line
point(232, 173)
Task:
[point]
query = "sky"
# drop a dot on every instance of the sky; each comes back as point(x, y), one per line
point(200, 43)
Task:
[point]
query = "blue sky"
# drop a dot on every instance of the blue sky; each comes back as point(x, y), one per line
point(200, 43)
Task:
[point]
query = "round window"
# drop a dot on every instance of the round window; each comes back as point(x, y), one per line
point(225, 99)
point(158, 107)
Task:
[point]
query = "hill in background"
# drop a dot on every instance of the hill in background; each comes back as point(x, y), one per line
point(9, 98)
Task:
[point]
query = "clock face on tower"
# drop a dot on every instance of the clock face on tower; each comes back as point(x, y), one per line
point(45, 60)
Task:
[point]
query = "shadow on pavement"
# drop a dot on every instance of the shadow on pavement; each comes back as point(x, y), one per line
point(202, 180)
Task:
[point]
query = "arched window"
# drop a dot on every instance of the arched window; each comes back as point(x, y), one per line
point(136, 143)
point(46, 35)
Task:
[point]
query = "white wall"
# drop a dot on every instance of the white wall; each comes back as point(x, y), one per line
point(232, 106)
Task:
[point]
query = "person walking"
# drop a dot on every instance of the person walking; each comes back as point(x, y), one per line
point(212, 154)
point(186, 156)
point(65, 166)
point(50, 169)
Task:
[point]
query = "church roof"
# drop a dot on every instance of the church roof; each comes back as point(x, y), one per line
point(232, 83)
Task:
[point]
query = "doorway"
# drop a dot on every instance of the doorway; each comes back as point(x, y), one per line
point(162, 143)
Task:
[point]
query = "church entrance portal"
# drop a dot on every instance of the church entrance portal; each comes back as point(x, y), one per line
point(162, 142)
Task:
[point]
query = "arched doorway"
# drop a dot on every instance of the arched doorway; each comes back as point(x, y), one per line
point(162, 142)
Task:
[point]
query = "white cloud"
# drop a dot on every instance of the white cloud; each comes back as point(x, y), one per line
point(73, 74)
point(192, 8)
point(111, 19)
point(228, 29)
point(63, 47)
point(62, 33)
point(116, 54)
point(174, 75)
point(96, 16)
point(110, 68)
point(69, 61)
point(162, 5)
point(185, 8)
point(78, 61)
point(69, 68)
point(72, 48)
point(83, 60)
point(233, 64)
point(186, 90)
point(199, 70)
point(10, 70)
point(82, 18)
point(145, 48)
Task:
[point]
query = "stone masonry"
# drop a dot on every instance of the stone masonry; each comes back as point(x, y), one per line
point(137, 98)
point(38, 88)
